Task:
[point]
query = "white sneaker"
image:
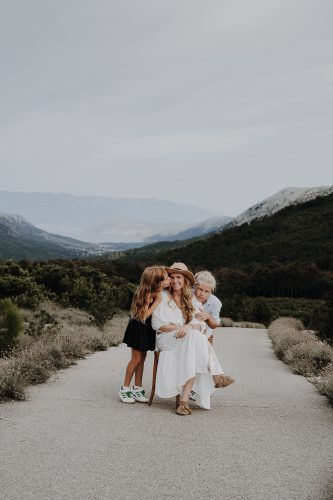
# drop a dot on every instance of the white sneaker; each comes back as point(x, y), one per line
point(193, 396)
point(125, 395)
point(138, 394)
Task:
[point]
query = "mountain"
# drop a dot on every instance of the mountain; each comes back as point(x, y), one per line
point(21, 240)
point(284, 198)
point(299, 233)
point(96, 219)
point(193, 231)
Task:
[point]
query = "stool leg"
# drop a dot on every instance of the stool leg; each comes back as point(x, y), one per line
point(156, 356)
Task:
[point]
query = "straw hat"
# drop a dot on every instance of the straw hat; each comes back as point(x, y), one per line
point(180, 268)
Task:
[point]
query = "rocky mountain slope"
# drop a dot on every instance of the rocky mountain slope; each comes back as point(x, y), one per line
point(193, 231)
point(282, 199)
point(21, 240)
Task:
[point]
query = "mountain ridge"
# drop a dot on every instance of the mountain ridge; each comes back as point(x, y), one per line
point(98, 219)
point(283, 198)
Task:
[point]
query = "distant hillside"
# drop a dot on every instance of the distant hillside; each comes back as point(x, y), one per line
point(101, 219)
point(302, 233)
point(194, 231)
point(21, 240)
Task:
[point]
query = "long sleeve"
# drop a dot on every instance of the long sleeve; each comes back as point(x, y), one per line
point(166, 313)
point(158, 319)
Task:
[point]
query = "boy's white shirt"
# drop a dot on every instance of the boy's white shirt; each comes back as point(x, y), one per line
point(212, 306)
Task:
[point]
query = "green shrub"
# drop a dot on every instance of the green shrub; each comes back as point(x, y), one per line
point(42, 320)
point(11, 325)
point(261, 311)
point(321, 320)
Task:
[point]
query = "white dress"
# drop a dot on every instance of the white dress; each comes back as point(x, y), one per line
point(185, 358)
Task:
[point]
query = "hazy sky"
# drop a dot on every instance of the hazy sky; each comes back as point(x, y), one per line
point(218, 103)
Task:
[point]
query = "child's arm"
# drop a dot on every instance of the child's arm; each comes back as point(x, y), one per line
point(153, 306)
point(210, 320)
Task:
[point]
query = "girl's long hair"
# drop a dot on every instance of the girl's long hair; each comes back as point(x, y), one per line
point(147, 291)
point(186, 304)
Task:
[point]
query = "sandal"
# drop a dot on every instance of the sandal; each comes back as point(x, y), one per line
point(223, 381)
point(183, 408)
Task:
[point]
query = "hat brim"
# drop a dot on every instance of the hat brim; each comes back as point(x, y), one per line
point(188, 274)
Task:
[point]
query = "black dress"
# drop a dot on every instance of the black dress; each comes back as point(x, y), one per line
point(140, 336)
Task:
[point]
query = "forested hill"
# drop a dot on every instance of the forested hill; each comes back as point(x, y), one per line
point(301, 232)
point(286, 254)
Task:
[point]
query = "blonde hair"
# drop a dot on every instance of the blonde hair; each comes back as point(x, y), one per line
point(147, 290)
point(205, 278)
point(186, 304)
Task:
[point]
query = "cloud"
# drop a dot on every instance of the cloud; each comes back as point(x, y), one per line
point(95, 91)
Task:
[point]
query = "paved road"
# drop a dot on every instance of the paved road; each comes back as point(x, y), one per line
point(268, 437)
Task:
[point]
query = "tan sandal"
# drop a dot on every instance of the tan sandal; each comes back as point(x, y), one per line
point(188, 408)
point(223, 381)
point(183, 409)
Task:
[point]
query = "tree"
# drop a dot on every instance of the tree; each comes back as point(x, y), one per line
point(11, 325)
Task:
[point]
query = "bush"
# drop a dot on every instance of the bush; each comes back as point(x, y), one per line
point(12, 384)
point(325, 383)
point(227, 322)
point(260, 311)
point(321, 320)
point(304, 352)
point(11, 325)
point(284, 338)
point(309, 358)
point(37, 357)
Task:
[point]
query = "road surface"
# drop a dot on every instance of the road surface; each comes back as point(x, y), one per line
point(269, 436)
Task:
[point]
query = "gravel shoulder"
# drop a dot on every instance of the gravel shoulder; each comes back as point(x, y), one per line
point(269, 436)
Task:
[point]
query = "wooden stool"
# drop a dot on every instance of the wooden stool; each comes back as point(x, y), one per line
point(153, 385)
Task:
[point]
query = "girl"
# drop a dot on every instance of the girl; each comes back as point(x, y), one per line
point(139, 334)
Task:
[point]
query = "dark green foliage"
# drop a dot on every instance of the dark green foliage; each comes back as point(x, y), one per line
point(11, 325)
point(16, 283)
point(321, 320)
point(260, 311)
point(266, 309)
point(41, 320)
point(76, 283)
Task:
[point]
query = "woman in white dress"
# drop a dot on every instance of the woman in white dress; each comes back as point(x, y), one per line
point(187, 360)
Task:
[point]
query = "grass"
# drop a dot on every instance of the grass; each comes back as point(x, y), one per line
point(55, 338)
point(305, 353)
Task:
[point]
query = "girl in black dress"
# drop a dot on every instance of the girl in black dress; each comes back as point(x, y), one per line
point(139, 334)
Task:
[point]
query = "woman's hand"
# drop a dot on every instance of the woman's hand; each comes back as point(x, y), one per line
point(182, 331)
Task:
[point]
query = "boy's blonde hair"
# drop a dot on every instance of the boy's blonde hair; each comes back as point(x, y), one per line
point(205, 278)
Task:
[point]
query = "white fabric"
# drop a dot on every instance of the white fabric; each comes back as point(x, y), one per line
point(185, 358)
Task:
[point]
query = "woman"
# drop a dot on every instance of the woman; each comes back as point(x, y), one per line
point(187, 360)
